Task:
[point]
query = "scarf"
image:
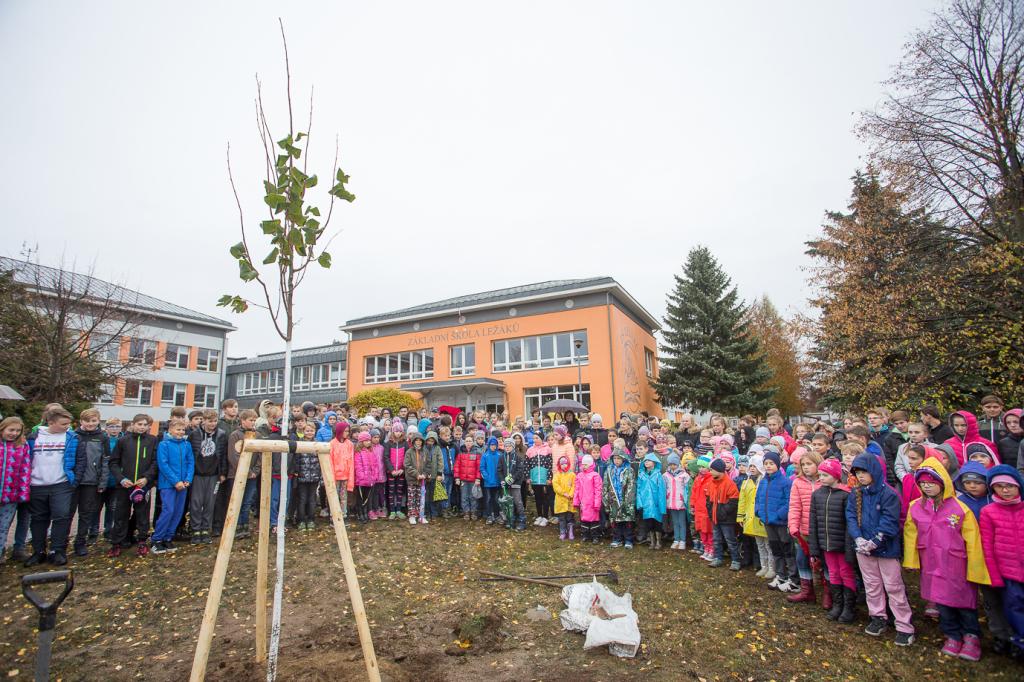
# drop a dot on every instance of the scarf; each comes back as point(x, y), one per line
point(999, 500)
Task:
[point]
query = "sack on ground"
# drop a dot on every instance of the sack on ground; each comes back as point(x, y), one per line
point(607, 618)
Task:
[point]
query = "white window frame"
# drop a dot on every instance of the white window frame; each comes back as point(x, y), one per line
point(177, 364)
point(145, 388)
point(458, 366)
point(148, 350)
point(106, 395)
point(300, 378)
point(209, 396)
point(260, 382)
point(537, 396)
point(177, 395)
point(326, 375)
point(212, 361)
point(649, 362)
point(107, 347)
point(391, 367)
point(533, 346)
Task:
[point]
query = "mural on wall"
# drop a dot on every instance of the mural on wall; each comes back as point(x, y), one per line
point(631, 386)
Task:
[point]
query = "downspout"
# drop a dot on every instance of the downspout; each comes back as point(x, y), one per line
point(611, 352)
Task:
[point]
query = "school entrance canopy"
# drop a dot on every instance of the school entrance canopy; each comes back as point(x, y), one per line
point(472, 393)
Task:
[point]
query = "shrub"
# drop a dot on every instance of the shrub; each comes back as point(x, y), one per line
point(391, 398)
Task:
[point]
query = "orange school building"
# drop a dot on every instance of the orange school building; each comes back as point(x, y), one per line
point(514, 349)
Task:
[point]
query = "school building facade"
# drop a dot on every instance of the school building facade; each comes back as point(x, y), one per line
point(514, 349)
point(318, 375)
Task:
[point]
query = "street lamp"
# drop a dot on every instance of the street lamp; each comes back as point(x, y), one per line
point(579, 370)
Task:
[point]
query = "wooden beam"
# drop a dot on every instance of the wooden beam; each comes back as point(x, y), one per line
point(262, 558)
point(306, 447)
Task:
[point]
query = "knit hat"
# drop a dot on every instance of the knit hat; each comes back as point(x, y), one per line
point(726, 438)
point(137, 495)
point(509, 444)
point(979, 448)
point(757, 462)
point(587, 461)
point(561, 430)
point(743, 460)
point(375, 432)
point(412, 431)
point(673, 459)
point(717, 465)
point(832, 467)
point(1004, 478)
point(926, 476)
point(596, 419)
point(396, 427)
point(973, 476)
point(703, 461)
point(363, 437)
point(644, 431)
point(565, 459)
point(779, 442)
point(755, 449)
point(771, 456)
point(762, 432)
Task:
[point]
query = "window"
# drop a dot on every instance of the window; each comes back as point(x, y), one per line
point(204, 396)
point(172, 395)
point(208, 360)
point(537, 352)
point(649, 362)
point(535, 397)
point(106, 396)
point(138, 392)
point(327, 375)
point(400, 366)
point(176, 356)
point(256, 383)
point(142, 351)
point(463, 360)
point(104, 347)
point(300, 378)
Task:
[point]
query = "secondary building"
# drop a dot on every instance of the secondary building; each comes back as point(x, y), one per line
point(514, 349)
point(318, 375)
point(160, 354)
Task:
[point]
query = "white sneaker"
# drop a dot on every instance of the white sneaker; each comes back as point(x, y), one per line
point(424, 520)
point(787, 586)
point(536, 521)
point(325, 513)
point(769, 574)
point(682, 546)
point(775, 582)
point(543, 522)
point(761, 571)
point(412, 520)
point(674, 545)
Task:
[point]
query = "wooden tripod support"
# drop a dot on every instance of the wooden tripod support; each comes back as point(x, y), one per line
point(220, 568)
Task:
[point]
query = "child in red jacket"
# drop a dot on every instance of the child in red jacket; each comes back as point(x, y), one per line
point(467, 474)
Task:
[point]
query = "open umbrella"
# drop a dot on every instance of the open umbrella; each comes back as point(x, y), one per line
point(564, 405)
point(8, 393)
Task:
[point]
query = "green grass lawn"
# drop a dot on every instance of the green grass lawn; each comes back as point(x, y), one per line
point(136, 618)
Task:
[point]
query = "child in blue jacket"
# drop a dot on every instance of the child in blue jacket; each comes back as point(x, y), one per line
point(771, 505)
point(873, 522)
point(492, 472)
point(175, 464)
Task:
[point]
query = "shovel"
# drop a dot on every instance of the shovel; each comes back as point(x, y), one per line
point(47, 613)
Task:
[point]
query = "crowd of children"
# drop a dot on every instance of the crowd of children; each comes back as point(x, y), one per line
point(850, 505)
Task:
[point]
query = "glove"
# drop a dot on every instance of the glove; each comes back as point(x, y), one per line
point(861, 544)
point(870, 546)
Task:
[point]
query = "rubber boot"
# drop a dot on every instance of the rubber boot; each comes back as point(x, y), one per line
point(849, 613)
point(826, 598)
point(657, 540)
point(571, 536)
point(835, 598)
point(806, 593)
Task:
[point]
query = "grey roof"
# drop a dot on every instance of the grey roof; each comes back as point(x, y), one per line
point(297, 353)
point(486, 297)
point(47, 278)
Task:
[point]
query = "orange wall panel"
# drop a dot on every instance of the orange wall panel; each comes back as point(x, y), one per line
point(633, 392)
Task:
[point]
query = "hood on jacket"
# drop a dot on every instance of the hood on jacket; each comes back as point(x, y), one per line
point(974, 448)
point(424, 426)
point(947, 450)
point(340, 429)
point(870, 464)
point(969, 468)
point(972, 433)
point(492, 441)
point(693, 467)
point(651, 457)
point(432, 436)
point(1005, 470)
point(328, 414)
point(934, 467)
point(1015, 412)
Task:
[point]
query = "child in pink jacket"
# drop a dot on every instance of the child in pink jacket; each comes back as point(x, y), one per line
point(587, 499)
point(1002, 541)
point(341, 463)
point(799, 519)
point(366, 469)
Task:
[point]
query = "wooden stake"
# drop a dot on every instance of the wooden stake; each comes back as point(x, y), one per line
point(262, 556)
point(220, 569)
point(351, 578)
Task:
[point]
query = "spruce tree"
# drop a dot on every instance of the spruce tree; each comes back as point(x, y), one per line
point(709, 361)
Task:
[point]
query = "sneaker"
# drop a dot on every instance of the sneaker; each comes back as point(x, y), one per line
point(197, 539)
point(788, 586)
point(951, 647)
point(971, 650)
point(536, 521)
point(776, 580)
point(60, 559)
point(242, 534)
point(876, 627)
point(142, 549)
point(325, 513)
point(708, 556)
point(490, 520)
point(114, 552)
point(169, 546)
point(543, 522)
point(734, 566)
point(35, 560)
point(615, 543)
point(412, 520)
point(81, 550)
point(696, 550)
point(907, 638)
point(465, 517)
point(931, 611)
point(561, 536)
point(392, 516)
point(628, 545)
point(715, 563)
point(770, 574)
point(159, 548)
point(424, 520)
point(674, 545)
point(400, 515)
point(760, 573)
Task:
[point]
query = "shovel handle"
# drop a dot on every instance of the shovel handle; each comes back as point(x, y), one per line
point(47, 609)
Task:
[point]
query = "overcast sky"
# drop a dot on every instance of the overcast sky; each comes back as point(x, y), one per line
point(490, 144)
